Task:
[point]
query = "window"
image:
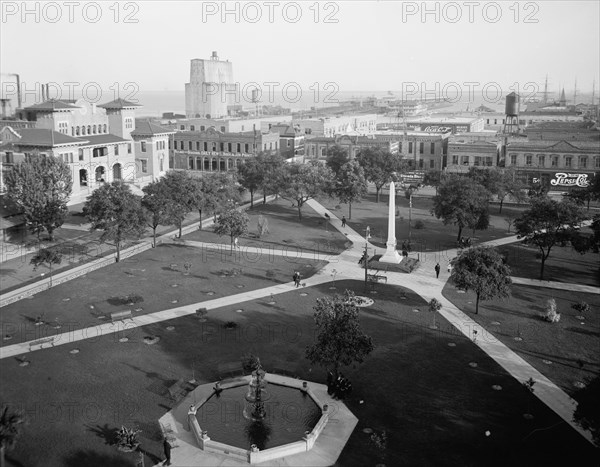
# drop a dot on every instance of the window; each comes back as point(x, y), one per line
point(81, 154)
point(432, 148)
point(72, 131)
point(528, 158)
point(205, 146)
point(246, 148)
point(161, 164)
point(116, 149)
point(214, 146)
point(128, 123)
point(182, 127)
point(190, 145)
point(421, 163)
point(568, 161)
point(143, 146)
point(129, 148)
point(421, 147)
point(431, 164)
point(202, 128)
point(488, 121)
point(191, 163)
point(542, 161)
point(513, 159)
point(228, 147)
point(410, 145)
point(554, 161)
point(181, 145)
point(465, 160)
point(192, 128)
point(239, 147)
point(144, 165)
point(89, 129)
point(583, 162)
point(597, 162)
point(82, 131)
point(323, 152)
point(222, 146)
point(94, 129)
point(455, 160)
point(197, 145)
point(169, 143)
point(104, 129)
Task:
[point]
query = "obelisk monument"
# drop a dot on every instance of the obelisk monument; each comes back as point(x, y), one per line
point(391, 255)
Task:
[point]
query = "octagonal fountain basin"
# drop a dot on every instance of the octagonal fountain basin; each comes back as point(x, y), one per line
point(288, 414)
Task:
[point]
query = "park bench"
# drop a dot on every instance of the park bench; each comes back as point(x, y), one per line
point(41, 342)
point(230, 369)
point(120, 315)
point(377, 277)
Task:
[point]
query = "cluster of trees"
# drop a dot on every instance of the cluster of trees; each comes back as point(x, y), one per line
point(120, 214)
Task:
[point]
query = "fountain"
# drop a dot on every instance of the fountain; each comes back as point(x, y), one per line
point(241, 419)
point(255, 407)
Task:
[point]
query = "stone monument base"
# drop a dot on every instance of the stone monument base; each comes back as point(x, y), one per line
point(391, 257)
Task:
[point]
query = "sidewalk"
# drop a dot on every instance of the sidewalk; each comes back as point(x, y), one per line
point(556, 285)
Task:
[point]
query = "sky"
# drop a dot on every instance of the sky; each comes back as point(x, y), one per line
point(355, 45)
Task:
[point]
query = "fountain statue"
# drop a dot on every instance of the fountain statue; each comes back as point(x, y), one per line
point(255, 408)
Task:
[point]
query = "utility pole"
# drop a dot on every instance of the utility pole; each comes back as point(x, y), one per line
point(366, 261)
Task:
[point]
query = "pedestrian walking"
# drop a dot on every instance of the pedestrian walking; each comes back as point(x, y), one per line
point(296, 278)
point(437, 270)
point(343, 221)
point(236, 242)
point(167, 449)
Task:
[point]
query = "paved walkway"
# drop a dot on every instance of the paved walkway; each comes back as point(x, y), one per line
point(556, 285)
point(422, 281)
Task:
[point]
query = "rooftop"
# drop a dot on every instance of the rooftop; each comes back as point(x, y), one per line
point(44, 138)
point(52, 105)
point(92, 140)
point(145, 128)
point(118, 104)
point(443, 119)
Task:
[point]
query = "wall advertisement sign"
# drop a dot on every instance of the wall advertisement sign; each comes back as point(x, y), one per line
point(569, 179)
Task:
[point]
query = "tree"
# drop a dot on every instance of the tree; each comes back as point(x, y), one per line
point(433, 177)
point(379, 166)
point(41, 186)
point(115, 210)
point(251, 175)
point(10, 429)
point(272, 167)
point(48, 257)
point(587, 413)
point(499, 182)
point(301, 182)
point(340, 340)
point(181, 189)
point(482, 270)
point(586, 194)
point(460, 201)
point(434, 307)
point(337, 156)
point(157, 203)
point(232, 222)
point(350, 184)
point(547, 223)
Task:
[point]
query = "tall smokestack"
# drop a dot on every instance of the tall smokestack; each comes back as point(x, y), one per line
point(19, 91)
point(47, 91)
point(43, 93)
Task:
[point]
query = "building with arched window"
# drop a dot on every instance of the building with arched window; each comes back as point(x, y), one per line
point(211, 150)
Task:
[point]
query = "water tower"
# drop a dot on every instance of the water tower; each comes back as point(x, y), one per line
point(511, 122)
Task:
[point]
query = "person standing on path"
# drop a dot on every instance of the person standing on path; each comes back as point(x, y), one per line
point(167, 449)
point(298, 277)
point(344, 221)
point(437, 270)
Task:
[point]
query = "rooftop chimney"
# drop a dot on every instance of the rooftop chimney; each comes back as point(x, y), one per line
point(214, 56)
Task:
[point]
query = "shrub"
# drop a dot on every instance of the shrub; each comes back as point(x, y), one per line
point(551, 315)
point(230, 325)
point(419, 224)
point(581, 307)
point(127, 438)
point(250, 362)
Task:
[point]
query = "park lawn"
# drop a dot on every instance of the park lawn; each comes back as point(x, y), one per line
point(563, 265)
point(89, 299)
point(434, 236)
point(286, 230)
point(571, 344)
point(434, 407)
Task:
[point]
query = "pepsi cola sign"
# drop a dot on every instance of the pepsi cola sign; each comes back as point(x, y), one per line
point(567, 179)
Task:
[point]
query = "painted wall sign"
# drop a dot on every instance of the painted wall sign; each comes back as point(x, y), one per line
point(568, 179)
point(437, 129)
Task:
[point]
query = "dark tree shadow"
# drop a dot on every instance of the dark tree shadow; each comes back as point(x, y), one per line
point(90, 458)
point(108, 434)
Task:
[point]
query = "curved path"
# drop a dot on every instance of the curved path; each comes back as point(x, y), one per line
point(422, 281)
